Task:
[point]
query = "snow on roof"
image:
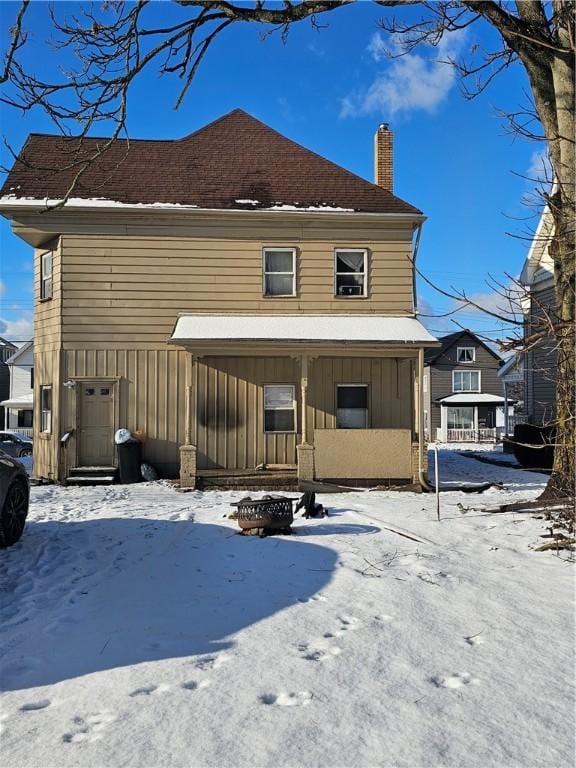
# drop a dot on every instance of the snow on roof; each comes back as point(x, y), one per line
point(471, 397)
point(302, 328)
point(12, 359)
point(23, 402)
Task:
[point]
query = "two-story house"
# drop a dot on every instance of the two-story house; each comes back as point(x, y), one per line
point(7, 349)
point(238, 298)
point(462, 392)
point(19, 404)
point(540, 356)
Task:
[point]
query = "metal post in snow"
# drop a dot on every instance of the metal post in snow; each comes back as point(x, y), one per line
point(437, 483)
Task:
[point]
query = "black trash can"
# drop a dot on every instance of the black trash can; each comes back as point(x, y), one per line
point(129, 461)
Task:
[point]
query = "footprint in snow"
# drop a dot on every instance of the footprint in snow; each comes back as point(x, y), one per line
point(296, 699)
point(211, 662)
point(34, 706)
point(319, 598)
point(88, 728)
point(147, 690)
point(454, 681)
point(192, 685)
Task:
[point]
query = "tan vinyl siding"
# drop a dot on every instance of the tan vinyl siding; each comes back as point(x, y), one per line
point(114, 287)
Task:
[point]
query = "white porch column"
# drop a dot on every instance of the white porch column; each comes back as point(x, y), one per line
point(505, 408)
point(420, 411)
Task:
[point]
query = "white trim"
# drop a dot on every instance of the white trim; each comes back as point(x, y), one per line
point(45, 276)
point(294, 409)
point(272, 249)
point(465, 362)
point(468, 370)
point(362, 295)
point(15, 355)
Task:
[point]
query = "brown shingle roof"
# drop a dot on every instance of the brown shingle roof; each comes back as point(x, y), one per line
point(234, 158)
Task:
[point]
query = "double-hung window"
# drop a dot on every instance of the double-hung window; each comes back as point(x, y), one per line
point(279, 268)
point(350, 272)
point(465, 381)
point(46, 275)
point(465, 354)
point(351, 406)
point(279, 408)
point(46, 409)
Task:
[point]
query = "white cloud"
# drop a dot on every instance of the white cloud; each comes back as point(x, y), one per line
point(2, 288)
point(20, 329)
point(539, 171)
point(414, 81)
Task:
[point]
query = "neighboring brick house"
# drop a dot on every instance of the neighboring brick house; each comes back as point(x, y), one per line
point(7, 349)
point(539, 307)
point(462, 392)
point(235, 296)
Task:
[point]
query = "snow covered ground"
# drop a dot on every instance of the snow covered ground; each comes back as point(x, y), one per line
point(138, 629)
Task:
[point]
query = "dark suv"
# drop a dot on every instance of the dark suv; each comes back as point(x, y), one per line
point(15, 444)
point(14, 499)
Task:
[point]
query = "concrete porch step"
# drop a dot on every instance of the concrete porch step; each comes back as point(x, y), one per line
point(91, 476)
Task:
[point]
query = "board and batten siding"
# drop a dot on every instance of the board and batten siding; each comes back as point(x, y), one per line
point(230, 421)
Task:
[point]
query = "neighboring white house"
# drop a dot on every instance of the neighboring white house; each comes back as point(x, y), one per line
point(19, 406)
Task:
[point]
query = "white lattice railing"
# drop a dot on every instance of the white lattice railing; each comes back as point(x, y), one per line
point(483, 435)
point(28, 431)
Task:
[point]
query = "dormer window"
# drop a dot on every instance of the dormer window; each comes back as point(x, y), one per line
point(279, 271)
point(46, 275)
point(350, 270)
point(466, 354)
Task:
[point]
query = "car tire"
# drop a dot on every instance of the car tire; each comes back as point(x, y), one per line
point(25, 452)
point(13, 514)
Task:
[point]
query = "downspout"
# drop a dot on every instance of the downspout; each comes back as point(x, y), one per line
point(422, 479)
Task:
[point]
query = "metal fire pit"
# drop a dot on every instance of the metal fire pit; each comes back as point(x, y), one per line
point(264, 516)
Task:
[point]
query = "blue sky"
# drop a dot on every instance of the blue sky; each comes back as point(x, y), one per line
point(329, 90)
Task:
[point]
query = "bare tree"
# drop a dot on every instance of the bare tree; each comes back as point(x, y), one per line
point(115, 42)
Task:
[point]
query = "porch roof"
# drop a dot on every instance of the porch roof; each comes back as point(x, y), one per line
point(473, 398)
point(23, 403)
point(302, 329)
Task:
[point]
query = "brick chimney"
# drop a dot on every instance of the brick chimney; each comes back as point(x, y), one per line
point(383, 157)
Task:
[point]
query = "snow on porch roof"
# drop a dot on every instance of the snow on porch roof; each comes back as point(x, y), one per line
point(24, 402)
point(473, 398)
point(351, 329)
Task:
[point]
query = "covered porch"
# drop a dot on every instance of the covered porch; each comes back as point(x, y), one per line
point(18, 414)
point(471, 418)
point(333, 398)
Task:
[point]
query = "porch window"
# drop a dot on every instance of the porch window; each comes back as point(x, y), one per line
point(465, 381)
point(279, 266)
point(350, 269)
point(465, 354)
point(46, 409)
point(279, 408)
point(460, 418)
point(46, 275)
point(25, 419)
point(351, 406)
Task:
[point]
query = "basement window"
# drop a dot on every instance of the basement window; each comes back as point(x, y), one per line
point(279, 408)
point(351, 406)
point(46, 409)
point(279, 271)
point(46, 275)
point(350, 268)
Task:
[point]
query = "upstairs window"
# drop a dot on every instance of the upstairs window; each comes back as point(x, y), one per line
point(46, 409)
point(465, 381)
point(46, 275)
point(465, 354)
point(350, 269)
point(279, 271)
point(351, 406)
point(279, 408)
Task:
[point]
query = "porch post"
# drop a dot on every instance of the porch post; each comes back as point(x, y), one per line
point(304, 393)
point(188, 450)
point(305, 451)
point(420, 410)
point(505, 409)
